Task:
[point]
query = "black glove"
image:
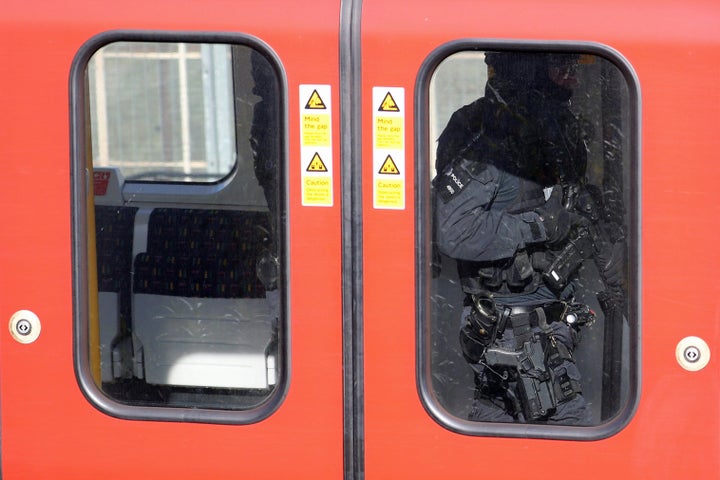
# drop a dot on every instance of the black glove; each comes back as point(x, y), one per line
point(612, 264)
point(555, 218)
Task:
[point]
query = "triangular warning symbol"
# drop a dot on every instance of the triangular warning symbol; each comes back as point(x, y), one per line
point(316, 164)
point(389, 167)
point(388, 104)
point(315, 102)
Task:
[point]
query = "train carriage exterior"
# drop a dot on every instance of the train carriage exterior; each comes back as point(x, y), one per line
point(219, 258)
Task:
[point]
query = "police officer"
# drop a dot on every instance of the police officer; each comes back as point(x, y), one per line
point(504, 163)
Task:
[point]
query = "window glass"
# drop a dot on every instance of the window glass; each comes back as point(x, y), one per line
point(163, 111)
point(528, 287)
point(185, 290)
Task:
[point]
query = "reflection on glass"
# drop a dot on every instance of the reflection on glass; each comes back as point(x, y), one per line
point(528, 312)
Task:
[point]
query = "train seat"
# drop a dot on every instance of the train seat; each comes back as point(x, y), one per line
point(114, 244)
point(200, 314)
point(208, 342)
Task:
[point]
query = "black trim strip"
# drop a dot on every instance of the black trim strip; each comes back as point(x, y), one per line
point(352, 274)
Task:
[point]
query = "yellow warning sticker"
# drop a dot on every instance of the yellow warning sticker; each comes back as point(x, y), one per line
point(389, 132)
point(316, 130)
point(390, 194)
point(316, 164)
point(316, 145)
point(389, 148)
point(388, 167)
point(315, 102)
point(388, 104)
point(317, 191)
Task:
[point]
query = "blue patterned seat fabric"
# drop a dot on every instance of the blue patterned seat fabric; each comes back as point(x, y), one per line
point(202, 253)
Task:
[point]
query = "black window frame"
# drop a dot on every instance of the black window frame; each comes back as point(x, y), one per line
point(79, 231)
point(424, 254)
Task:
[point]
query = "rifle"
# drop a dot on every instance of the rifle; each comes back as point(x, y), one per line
point(593, 240)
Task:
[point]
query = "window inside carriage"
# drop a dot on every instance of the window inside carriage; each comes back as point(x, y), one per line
point(528, 294)
point(184, 248)
point(163, 111)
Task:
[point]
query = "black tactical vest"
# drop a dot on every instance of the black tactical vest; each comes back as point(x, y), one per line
point(521, 273)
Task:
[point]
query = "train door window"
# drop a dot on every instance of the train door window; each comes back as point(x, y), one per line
point(179, 207)
point(528, 255)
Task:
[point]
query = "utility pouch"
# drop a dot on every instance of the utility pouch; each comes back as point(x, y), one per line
point(566, 388)
point(520, 270)
point(492, 276)
point(556, 352)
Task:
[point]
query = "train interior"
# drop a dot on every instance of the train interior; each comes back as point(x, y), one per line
point(185, 206)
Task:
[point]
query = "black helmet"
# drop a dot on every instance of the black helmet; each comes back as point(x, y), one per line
point(518, 65)
point(514, 74)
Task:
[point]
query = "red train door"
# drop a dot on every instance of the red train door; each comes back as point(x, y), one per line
point(263, 171)
point(171, 243)
point(419, 66)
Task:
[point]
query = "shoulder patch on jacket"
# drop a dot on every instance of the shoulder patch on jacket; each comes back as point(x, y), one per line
point(451, 182)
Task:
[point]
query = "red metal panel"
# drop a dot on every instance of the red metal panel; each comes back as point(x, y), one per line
point(48, 428)
point(47, 424)
point(674, 434)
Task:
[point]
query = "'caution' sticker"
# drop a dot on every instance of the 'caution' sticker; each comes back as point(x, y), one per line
point(389, 148)
point(316, 145)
